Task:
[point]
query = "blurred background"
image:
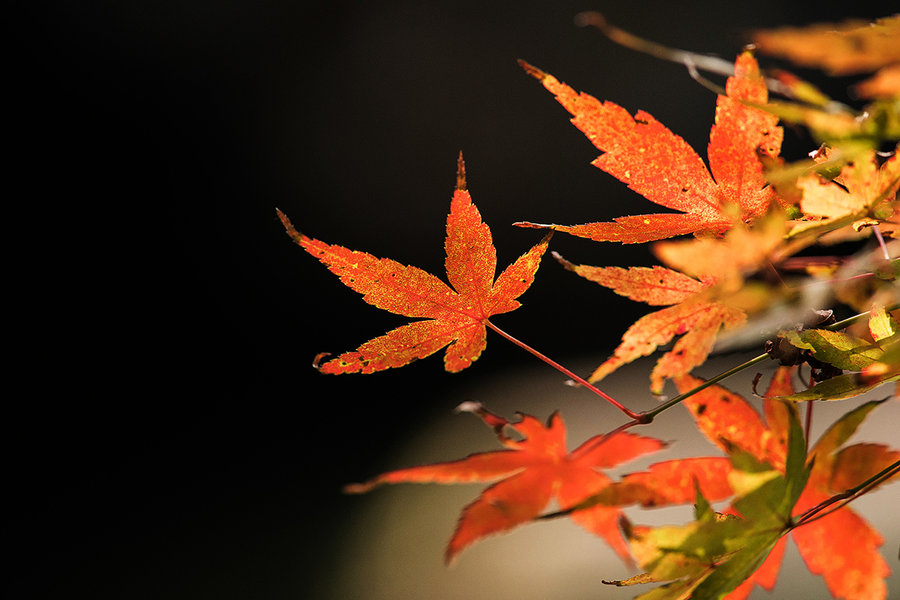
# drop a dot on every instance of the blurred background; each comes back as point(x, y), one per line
point(171, 439)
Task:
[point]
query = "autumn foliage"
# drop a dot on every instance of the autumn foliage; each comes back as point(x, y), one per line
point(455, 316)
point(654, 162)
point(752, 229)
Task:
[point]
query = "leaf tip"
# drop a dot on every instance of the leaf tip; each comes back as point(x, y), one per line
point(591, 18)
point(449, 558)
point(454, 547)
point(532, 70)
point(625, 527)
point(531, 225)
point(358, 488)
point(495, 422)
point(569, 266)
point(460, 172)
point(469, 406)
point(318, 358)
point(289, 227)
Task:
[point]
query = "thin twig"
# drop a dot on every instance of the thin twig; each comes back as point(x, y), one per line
point(629, 413)
point(692, 60)
point(815, 513)
point(648, 416)
point(884, 248)
point(678, 399)
point(712, 64)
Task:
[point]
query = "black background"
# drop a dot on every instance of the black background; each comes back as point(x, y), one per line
point(170, 439)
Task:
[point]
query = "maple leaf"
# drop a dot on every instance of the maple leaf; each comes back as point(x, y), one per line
point(841, 546)
point(717, 551)
point(841, 49)
point(885, 83)
point(885, 331)
point(532, 472)
point(848, 385)
point(668, 483)
point(456, 316)
point(873, 363)
point(862, 195)
point(691, 315)
point(708, 298)
point(839, 349)
point(661, 166)
point(854, 46)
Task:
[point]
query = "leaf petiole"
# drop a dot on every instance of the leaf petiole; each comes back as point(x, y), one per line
point(651, 414)
point(815, 513)
point(580, 380)
point(724, 375)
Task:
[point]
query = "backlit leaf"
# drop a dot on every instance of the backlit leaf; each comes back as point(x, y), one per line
point(854, 46)
point(706, 298)
point(713, 555)
point(882, 325)
point(531, 472)
point(842, 387)
point(841, 546)
point(456, 316)
point(659, 165)
point(836, 348)
point(862, 192)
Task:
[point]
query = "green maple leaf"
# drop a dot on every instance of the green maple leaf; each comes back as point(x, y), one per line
point(711, 556)
point(872, 363)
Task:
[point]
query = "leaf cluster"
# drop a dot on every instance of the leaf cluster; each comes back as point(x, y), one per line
point(751, 234)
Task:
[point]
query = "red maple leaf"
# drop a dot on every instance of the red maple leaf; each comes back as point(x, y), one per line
point(705, 296)
point(692, 314)
point(842, 546)
point(532, 472)
point(456, 316)
point(663, 168)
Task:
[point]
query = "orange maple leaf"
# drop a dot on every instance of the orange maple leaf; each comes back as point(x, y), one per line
point(863, 194)
point(532, 472)
point(706, 296)
point(691, 314)
point(841, 546)
point(884, 83)
point(854, 46)
point(669, 482)
point(456, 316)
point(662, 167)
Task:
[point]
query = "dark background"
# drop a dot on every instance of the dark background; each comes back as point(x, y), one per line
point(171, 439)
